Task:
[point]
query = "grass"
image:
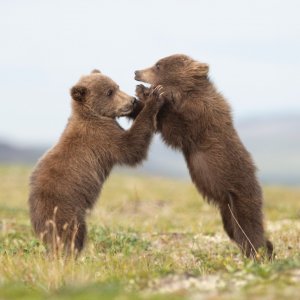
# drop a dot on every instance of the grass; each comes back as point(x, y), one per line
point(149, 238)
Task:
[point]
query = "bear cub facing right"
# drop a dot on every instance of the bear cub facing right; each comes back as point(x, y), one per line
point(67, 180)
point(196, 119)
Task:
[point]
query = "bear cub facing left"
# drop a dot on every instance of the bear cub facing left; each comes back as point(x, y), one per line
point(68, 178)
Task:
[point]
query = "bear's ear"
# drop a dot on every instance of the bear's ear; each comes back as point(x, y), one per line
point(203, 69)
point(79, 93)
point(96, 71)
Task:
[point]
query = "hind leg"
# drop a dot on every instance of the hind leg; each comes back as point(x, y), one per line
point(227, 220)
point(74, 235)
point(64, 235)
point(80, 237)
point(248, 224)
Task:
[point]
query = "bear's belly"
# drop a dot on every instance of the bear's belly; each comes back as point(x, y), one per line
point(205, 176)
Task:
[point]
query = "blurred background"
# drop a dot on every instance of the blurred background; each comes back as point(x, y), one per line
point(252, 47)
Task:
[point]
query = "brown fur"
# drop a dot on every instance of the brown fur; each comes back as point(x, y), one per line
point(68, 179)
point(197, 120)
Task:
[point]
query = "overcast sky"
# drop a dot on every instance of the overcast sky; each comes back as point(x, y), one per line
point(252, 47)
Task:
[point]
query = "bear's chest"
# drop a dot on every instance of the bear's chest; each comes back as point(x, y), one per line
point(172, 128)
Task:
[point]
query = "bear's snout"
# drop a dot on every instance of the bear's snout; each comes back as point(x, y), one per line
point(137, 75)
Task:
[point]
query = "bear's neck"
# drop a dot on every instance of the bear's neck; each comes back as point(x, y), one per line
point(79, 112)
point(82, 114)
point(200, 85)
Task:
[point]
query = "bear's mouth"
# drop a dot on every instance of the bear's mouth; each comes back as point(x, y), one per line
point(126, 112)
point(147, 84)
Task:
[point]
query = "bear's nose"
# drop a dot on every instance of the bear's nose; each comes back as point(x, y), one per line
point(133, 100)
point(137, 75)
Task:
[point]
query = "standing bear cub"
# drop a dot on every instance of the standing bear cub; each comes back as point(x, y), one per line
point(196, 119)
point(68, 179)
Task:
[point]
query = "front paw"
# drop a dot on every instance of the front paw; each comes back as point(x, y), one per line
point(156, 97)
point(142, 92)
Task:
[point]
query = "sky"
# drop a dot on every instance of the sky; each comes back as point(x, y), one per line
point(252, 47)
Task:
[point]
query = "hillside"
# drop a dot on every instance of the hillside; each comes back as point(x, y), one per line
point(274, 143)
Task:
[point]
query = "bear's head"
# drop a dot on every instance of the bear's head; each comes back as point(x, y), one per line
point(176, 71)
point(96, 95)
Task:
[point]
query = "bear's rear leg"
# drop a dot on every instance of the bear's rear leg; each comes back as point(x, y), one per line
point(80, 237)
point(227, 220)
point(74, 237)
point(247, 218)
point(65, 236)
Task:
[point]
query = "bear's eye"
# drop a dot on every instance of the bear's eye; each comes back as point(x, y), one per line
point(109, 92)
point(157, 66)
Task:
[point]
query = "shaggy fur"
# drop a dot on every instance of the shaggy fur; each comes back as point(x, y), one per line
point(68, 178)
point(197, 120)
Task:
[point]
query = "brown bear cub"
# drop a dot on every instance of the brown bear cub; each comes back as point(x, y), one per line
point(68, 179)
point(196, 119)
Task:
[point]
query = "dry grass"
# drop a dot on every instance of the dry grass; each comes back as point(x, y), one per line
point(149, 238)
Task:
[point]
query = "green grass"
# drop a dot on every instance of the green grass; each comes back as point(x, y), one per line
point(149, 238)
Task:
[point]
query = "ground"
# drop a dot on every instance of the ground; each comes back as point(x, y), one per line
point(149, 238)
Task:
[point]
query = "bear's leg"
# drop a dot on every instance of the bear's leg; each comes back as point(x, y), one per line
point(80, 236)
point(247, 218)
point(74, 236)
point(65, 235)
point(227, 220)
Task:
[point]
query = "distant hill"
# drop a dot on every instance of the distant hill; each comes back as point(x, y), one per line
point(12, 154)
point(274, 143)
